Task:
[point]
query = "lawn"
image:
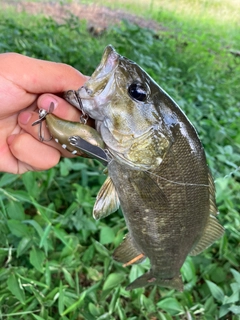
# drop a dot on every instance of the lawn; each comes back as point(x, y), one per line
point(55, 259)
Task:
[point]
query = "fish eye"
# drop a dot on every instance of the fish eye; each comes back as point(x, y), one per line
point(137, 91)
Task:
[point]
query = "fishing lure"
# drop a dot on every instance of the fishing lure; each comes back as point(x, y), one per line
point(76, 137)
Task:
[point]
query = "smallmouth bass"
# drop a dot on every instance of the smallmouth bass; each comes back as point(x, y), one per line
point(157, 170)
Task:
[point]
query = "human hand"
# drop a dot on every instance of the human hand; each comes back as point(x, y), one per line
point(22, 81)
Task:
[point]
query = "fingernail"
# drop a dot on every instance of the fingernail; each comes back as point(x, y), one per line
point(24, 117)
point(45, 103)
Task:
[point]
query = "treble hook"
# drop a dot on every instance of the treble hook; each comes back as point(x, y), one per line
point(84, 116)
point(42, 116)
point(74, 99)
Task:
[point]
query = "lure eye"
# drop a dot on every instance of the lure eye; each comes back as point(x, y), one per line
point(137, 91)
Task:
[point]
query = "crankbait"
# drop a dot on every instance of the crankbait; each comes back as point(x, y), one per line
point(78, 138)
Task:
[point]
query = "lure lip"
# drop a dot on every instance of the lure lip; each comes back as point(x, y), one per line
point(95, 151)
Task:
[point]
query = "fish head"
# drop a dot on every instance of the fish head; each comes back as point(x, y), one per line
point(123, 100)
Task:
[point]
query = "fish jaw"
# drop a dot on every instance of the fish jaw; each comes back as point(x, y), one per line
point(92, 100)
point(150, 278)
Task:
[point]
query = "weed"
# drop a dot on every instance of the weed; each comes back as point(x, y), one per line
point(55, 259)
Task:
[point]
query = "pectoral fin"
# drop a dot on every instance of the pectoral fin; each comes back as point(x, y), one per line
point(212, 232)
point(127, 253)
point(107, 200)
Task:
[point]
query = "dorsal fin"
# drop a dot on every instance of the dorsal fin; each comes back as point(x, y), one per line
point(212, 232)
point(212, 206)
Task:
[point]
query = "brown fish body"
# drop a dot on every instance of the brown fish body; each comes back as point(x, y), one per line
point(158, 170)
point(166, 209)
point(165, 219)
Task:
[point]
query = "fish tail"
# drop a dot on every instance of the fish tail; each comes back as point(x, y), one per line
point(149, 278)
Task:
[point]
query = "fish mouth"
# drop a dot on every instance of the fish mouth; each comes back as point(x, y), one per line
point(102, 74)
point(108, 62)
point(90, 100)
point(84, 98)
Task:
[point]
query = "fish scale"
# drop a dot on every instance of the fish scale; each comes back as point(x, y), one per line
point(158, 255)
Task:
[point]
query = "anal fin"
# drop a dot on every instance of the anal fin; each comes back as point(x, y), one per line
point(107, 200)
point(136, 259)
point(127, 253)
point(213, 231)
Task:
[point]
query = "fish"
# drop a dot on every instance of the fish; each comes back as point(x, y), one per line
point(157, 170)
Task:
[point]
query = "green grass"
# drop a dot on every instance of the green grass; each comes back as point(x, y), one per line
point(215, 16)
point(220, 11)
point(55, 260)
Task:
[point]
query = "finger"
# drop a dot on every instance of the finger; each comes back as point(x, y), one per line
point(39, 76)
point(32, 153)
point(62, 108)
point(7, 162)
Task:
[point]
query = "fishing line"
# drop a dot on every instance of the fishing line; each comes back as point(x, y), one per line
point(179, 183)
point(106, 159)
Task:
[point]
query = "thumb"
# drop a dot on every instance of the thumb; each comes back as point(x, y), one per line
point(39, 76)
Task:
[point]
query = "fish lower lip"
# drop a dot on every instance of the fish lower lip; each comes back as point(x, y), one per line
point(84, 93)
point(109, 61)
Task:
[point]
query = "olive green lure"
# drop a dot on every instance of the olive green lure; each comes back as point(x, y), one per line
point(75, 137)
